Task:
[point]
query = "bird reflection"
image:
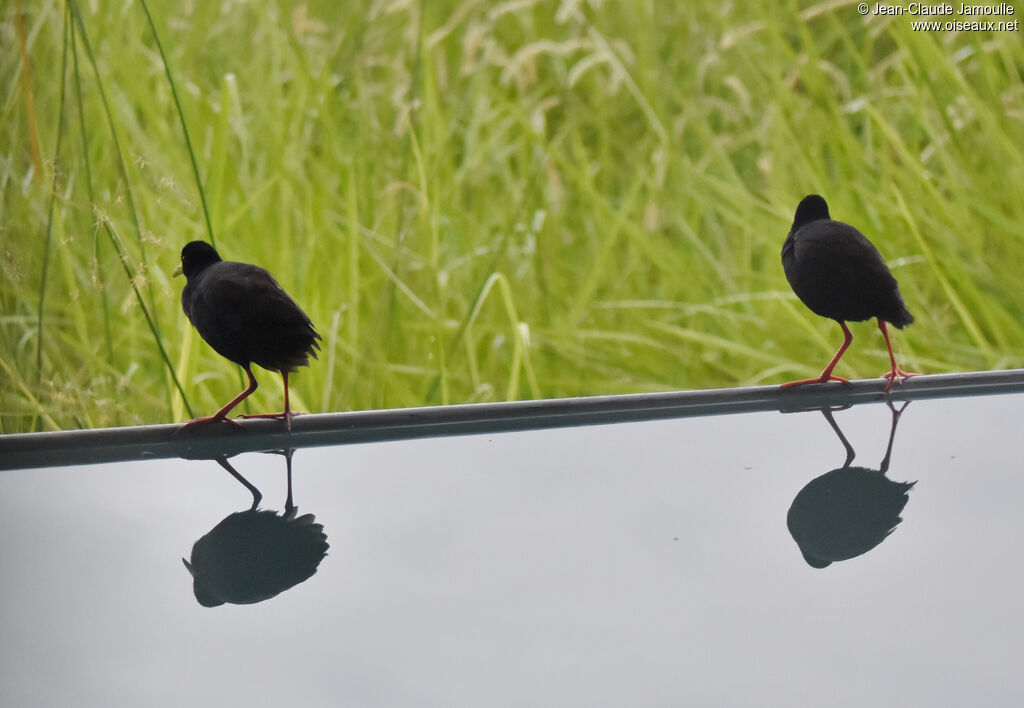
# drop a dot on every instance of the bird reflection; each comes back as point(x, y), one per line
point(848, 511)
point(256, 554)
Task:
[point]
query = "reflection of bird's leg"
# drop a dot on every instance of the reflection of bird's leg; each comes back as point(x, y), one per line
point(850, 454)
point(892, 433)
point(256, 495)
point(826, 375)
point(896, 371)
point(288, 505)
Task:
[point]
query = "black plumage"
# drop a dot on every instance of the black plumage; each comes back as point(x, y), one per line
point(254, 555)
point(838, 273)
point(241, 311)
point(845, 513)
point(848, 511)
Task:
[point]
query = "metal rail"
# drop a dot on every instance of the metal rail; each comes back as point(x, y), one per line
point(74, 447)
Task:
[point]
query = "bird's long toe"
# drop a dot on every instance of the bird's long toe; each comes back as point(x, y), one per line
point(286, 416)
point(208, 421)
point(277, 416)
point(816, 380)
point(894, 374)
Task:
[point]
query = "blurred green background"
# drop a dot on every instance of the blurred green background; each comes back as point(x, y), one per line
point(480, 201)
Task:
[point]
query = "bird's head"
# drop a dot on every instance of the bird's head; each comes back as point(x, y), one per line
point(207, 597)
point(195, 257)
point(811, 208)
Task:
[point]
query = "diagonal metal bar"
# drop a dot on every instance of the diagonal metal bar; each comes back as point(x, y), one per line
point(164, 441)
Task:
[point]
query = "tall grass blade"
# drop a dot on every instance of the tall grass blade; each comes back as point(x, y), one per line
point(54, 183)
point(181, 118)
point(105, 223)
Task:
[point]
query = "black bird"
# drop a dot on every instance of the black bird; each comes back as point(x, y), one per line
point(241, 311)
point(848, 511)
point(254, 555)
point(845, 513)
point(839, 274)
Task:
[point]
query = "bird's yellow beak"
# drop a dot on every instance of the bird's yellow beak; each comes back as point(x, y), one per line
point(178, 271)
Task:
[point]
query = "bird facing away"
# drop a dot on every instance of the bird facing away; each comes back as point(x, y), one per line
point(848, 511)
point(254, 555)
point(839, 274)
point(241, 311)
point(845, 513)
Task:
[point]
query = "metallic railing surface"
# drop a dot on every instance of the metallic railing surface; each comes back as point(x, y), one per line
point(74, 447)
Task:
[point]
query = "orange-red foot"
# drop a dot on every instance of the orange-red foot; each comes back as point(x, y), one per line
point(286, 416)
point(276, 416)
point(819, 379)
point(897, 372)
point(209, 420)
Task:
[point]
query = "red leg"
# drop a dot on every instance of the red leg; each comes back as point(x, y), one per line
point(826, 375)
point(895, 371)
point(287, 406)
point(222, 414)
point(286, 415)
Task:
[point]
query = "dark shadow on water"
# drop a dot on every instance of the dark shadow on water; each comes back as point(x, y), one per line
point(256, 554)
point(848, 511)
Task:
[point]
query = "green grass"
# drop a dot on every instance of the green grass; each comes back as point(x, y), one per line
point(483, 201)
